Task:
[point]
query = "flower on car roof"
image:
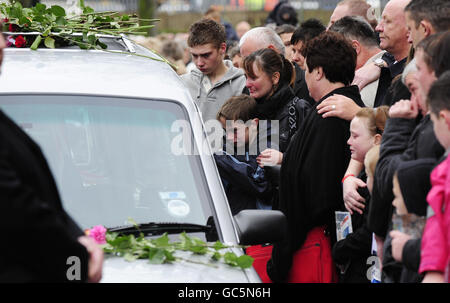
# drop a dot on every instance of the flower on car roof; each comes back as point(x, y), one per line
point(20, 41)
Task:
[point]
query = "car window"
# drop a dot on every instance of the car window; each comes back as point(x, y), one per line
point(112, 158)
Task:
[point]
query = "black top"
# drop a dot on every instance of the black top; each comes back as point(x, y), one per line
point(385, 81)
point(310, 184)
point(402, 141)
point(38, 232)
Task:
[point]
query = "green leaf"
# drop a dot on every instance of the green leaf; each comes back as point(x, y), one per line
point(49, 42)
point(24, 20)
point(230, 259)
point(88, 10)
point(244, 261)
point(130, 257)
point(157, 255)
point(47, 32)
point(219, 245)
point(57, 10)
point(36, 42)
point(81, 4)
point(162, 241)
point(40, 8)
point(102, 45)
point(61, 20)
point(125, 18)
point(216, 256)
point(169, 256)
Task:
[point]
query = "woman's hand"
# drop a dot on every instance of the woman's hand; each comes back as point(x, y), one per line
point(352, 199)
point(338, 106)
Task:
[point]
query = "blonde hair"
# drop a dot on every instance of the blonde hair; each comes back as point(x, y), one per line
point(371, 159)
point(376, 118)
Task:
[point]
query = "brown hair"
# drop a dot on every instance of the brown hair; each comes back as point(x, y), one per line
point(241, 107)
point(270, 62)
point(206, 31)
point(371, 159)
point(376, 118)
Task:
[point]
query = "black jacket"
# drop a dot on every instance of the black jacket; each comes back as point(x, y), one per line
point(387, 75)
point(244, 181)
point(40, 236)
point(402, 140)
point(300, 87)
point(310, 183)
point(278, 107)
point(354, 251)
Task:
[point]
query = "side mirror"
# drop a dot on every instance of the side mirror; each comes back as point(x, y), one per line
point(256, 226)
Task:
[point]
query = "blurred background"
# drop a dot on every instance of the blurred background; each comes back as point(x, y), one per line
point(177, 15)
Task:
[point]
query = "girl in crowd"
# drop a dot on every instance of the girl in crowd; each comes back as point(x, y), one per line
point(352, 253)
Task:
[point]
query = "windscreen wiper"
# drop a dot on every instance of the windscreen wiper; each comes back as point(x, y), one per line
point(154, 228)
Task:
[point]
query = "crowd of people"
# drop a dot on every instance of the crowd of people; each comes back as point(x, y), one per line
point(351, 116)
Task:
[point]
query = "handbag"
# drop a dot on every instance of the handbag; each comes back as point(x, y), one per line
point(312, 263)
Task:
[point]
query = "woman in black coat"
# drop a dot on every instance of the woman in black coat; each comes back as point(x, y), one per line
point(313, 167)
point(270, 77)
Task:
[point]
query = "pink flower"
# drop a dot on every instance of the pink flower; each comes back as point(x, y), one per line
point(98, 233)
point(10, 41)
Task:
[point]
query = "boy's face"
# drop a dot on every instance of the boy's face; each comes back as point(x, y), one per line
point(207, 57)
point(297, 56)
point(441, 126)
point(238, 132)
point(398, 201)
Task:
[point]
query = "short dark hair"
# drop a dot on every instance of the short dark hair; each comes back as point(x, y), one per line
point(437, 12)
point(307, 30)
point(439, 94)
point(335, 54)
point(206, 31)
point(357, 28)
point(436, 49)
point(242, 107)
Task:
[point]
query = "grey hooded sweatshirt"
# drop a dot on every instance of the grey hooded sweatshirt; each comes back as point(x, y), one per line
point(209, 102)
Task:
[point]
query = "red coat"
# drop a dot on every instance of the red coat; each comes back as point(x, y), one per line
point(435, 253)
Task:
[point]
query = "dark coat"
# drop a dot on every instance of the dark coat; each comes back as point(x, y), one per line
point(277, 107)
point(402, 141)
point(387, 75)
point(354, 251)
point(244, 181)
point(40, 236)
point(310, 183)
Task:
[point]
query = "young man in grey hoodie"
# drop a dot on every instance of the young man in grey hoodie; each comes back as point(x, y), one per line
point(215, 80)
